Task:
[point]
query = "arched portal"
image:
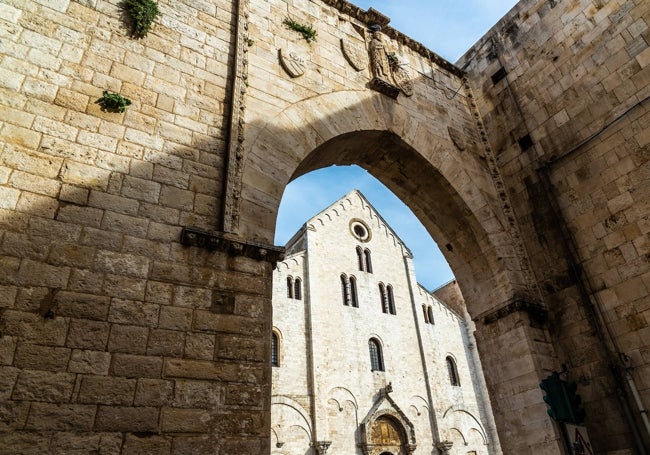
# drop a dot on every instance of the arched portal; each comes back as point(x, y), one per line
point(447, 189)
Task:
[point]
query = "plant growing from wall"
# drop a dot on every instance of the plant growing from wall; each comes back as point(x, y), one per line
point(307, 31)
point(392, 59)
point(142, 14)
point(113, 102)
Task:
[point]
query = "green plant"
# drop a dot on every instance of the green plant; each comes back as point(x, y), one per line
point(142, 14)
point(307, 31)
point(392, 58)
point(113, 102)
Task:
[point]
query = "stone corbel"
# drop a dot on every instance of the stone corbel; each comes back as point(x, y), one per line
point(537, 313)
point(321, 446)
point(444, 447)
point(231, 244)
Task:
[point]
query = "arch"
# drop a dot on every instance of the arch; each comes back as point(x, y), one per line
point(376, 355)
point(451, 192)
point(452, 371)
point(354, 299)
point(275, 348)
point(290, 287)
point(368, 260)
point(360, 260)
point(297, 289)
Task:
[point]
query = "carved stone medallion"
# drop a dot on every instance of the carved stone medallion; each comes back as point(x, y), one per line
point(402, 79)
point(292, 63)
point(354, 54)
point(457, 138)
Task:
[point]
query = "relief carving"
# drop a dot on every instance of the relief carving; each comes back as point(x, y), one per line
point(354, 54)
point(292, 63)
point(389, 77)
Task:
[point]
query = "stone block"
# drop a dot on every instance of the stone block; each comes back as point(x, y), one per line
point(124, 223)
point(185, 420)
point(121, 264)
point(8, 377)
point(244, 395)
point(187, 445)
point(167, 343)
point(136, 444)
point(7, 349)
point(127, 419)
point(72, 255)
point(82, 305)
point(36, 357)
point(175, 318)
point(132, 312)
point(44, 386)
point(89, 362)
point(225, 323)
point(32, 327)
point(236, 347)
point(13, 415)
point(198, 394)
point(106, 390)
point(8, 296)
point(176, 198)
point(141, 189)
point(75, 443)
point(192, 297)
point(128, 339)
point(136, 366)
point(33, 273)
point(112, 202)
point(154, 392)
point(85, 334)
point(62, 417)
point(123, 287)
point(200, 346)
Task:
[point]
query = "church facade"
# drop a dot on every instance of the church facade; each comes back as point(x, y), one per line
point(365, 360)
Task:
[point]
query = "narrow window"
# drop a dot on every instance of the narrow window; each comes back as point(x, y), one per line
point(345, 290)
point(360, 258)
point(289, 287)
point(353, 292)
point(274, 350)
point(384, 298)
point(453, 372)
point(430, 314)
point(391, 299)
point(366, 254)
point(376, 360)
point(297, 289)
point(426, 314)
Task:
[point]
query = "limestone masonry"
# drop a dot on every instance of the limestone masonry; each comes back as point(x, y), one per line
point(136, 255)
point(345, 292)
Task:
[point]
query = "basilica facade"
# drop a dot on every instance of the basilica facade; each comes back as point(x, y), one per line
point(366, 360)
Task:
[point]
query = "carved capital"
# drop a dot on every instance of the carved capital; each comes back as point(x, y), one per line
point(444, 447)
point(321, 446)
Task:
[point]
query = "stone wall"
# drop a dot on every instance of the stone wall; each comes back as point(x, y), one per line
point(123, 331)
point(567, 84)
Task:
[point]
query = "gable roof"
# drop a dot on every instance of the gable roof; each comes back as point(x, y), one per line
point(353, 196)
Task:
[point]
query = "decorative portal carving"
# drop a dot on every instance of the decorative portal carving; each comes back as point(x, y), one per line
point(292, 63)
point(322, 446)
point(389, 77)
point(354, 54)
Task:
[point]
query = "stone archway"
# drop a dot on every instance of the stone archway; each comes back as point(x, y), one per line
point(456, 197)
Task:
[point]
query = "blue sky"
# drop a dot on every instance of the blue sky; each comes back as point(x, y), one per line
point(447, 27)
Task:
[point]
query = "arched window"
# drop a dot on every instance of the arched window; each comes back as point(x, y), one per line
point(289, 287)
point(360, 260)
point(453, 372)
point(391, 300)
point(376, 360)
point(345, 290)
point(430, 314)
point(384, 298)
point(366, 254)
point(275, 348)
point(297, 289)
point(353, 292)
point(426, 314)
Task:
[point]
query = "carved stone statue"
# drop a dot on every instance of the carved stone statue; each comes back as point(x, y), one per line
point(379, 57)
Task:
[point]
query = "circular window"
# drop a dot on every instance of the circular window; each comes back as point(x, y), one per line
point(360, 230)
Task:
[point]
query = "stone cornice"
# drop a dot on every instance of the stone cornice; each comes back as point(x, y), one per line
point(537, 313)
point(367, 17)
point(231, 244)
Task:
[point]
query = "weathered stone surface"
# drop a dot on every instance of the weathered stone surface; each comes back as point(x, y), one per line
point(45, 416)
point(106, 390)
point(131, 419)
point(43, 386)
